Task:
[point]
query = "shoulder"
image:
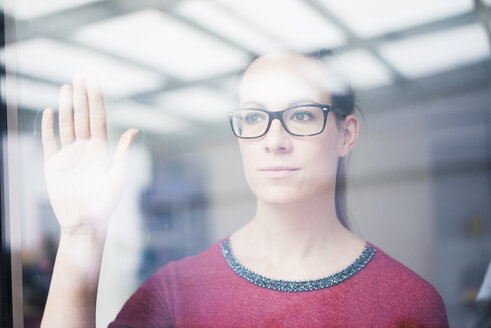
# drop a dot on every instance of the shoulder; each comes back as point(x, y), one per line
point(399, 286)
point(205, 261)
point(387, 270)
point(191, 273)
point(153, 304)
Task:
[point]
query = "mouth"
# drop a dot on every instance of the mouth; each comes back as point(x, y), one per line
point(278, 172)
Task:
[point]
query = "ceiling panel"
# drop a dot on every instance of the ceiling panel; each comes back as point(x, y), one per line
point(29, 9)
point(141, 47)
point(376, 17)
point(198, 103)
point(296, 24)
point(143, 117)
point(36, 95)
point(164, 43)
point(437, 52)
point(211, 15)
point(230, 85)
point(57, 62)
point(361, 69)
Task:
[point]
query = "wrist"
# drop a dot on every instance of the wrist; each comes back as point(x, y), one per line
point(83, 232)
point(80, 250)
point(84, 239)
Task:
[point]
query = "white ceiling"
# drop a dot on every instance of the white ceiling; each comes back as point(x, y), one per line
point(29, 9)
point(178, 61)
point(438, 51)
point(156, 39)
point(376, 17)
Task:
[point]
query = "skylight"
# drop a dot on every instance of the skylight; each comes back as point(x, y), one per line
point(168, 45)
point(361, 69)
point(143, 117)
point(212, 15)
point(376, 17)
point(198, 103)
point(36, 95)
point(57, 62)
point(437, 52)
point(299, 26)
point(29, 9)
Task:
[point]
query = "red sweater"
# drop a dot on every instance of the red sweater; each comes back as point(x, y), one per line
point(212, 289)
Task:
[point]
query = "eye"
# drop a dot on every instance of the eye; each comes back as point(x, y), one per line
point(253, 118)
point(301, 116)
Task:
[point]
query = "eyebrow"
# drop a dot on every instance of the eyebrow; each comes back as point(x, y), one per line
point(293, 103)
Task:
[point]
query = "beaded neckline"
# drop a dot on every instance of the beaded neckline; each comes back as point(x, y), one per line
point(296, 286)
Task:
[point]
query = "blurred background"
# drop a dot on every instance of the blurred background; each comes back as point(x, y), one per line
point(419, 178)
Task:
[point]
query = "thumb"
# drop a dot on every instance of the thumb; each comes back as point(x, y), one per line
point(120, 164)
point(117, 175)
point(124, 144)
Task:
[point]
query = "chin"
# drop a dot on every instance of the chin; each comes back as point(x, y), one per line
point(279, 195)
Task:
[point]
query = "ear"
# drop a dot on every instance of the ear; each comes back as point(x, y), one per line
point(348, 134)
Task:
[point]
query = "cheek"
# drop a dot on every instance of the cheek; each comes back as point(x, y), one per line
point(322, 166)
point(321, 160)
point(249, 155)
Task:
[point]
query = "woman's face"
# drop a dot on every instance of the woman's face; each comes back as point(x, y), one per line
point(281, 168)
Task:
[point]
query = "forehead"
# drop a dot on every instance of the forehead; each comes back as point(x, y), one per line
point(278, 82)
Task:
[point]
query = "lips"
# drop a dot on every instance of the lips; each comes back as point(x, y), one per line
point(278, 172)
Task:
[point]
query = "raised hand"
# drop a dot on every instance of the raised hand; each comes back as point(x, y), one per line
point(84, 186)
point(84, 183)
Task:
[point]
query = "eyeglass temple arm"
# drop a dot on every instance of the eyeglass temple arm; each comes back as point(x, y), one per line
point(337, 111)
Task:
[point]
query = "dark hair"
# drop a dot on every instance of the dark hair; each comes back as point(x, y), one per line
point(346, 102)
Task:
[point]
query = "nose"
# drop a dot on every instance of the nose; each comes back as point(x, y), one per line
point(277, 139)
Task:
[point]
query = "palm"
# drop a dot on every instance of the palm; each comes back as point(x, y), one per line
point(84, 184)
point(78, 183)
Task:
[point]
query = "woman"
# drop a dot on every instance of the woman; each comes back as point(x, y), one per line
point(294, 264)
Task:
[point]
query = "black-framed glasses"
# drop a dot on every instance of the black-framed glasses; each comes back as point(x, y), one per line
point(301, 120)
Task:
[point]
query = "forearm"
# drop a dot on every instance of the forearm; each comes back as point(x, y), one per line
point(73, 290)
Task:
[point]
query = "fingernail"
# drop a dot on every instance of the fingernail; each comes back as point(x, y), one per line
point(128, 138)
point(133, 134)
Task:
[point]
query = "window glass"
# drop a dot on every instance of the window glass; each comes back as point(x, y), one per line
point(419, 180)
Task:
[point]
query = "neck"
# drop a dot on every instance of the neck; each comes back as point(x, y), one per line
point(295, 231)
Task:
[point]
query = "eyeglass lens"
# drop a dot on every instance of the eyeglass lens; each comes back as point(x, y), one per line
point(305, 120)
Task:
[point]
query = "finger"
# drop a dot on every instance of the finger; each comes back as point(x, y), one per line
point(50, 147)
point(97, 111)
point(120, 165)
point(81, 108)
point(67, 133)
point(124, 144)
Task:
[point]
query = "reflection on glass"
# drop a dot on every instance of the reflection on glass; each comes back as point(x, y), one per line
point(417, 183)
